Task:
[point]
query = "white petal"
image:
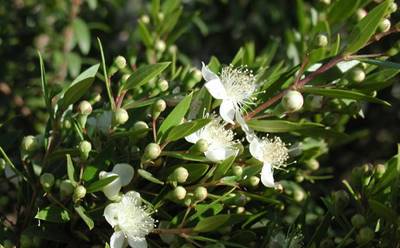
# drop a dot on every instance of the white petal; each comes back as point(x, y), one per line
point(255, 149)
point(111, 213)
point(132, 197)
point(117, 240)
point(227, 111)
point(207, 73)
point(239, 118)
point(216, 88)
point(219, 154)
point(125, 173)
point(137, 242)
point(267, 177)
point(193, 138)
point(112, 189)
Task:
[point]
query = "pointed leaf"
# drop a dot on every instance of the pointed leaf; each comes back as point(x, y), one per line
point(144, 74)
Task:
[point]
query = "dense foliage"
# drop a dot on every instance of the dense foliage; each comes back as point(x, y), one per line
point(155, 148)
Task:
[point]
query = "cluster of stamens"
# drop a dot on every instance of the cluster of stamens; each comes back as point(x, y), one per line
point(275, 151)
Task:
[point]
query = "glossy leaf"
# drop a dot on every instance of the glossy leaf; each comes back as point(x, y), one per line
point(53, 214)
point(185, 129)
point(144, 74)
point(149, 177)
point(100, 184)
point(223, 167)
point(82, 213)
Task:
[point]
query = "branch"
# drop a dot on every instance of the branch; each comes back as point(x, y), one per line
point(172, 230)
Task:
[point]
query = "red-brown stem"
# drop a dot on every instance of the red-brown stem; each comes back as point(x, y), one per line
point(120, 98)
point(301, 71)
point(264, 105)
point(154, 123)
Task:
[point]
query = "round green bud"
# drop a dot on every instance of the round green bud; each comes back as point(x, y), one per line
point(299, 177)
point(240, 210)
point(2, 165)
point(393, 7)
point(121, 116)
point(380, 169)
point(360, 14)
point(29, 143)
point(200, 193)
point(159, 106)
point(120, 62)
point(145, 19)
point(321, 40)
point(85, 108)
point(179, 175)
point(357, 75)
point(47, 181)
point(97, 97)
point(341, 199)
point(179, 193)
point(172, 49)
point(366, 169)
point(66, 124)
point(163, 85)
point(197, 74)
point(326, 2)
point(254, 181)
point(358, 221)
point(202, 145)
point(66, 188)
point(84, 148)
point(237, 170)
point(279, 187)
point(298, 195)
point(160, 16)
point(79, 193)
point(292, 101)
point(392, 52)
point(384, 25)
point(25, 241)
point(312, 164)
point(365, 235)
point(152, 151)
point(160, 46)
point(140, 128)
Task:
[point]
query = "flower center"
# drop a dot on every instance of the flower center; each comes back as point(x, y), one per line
point(274, 152)
point(134, 220)
point(216, 134)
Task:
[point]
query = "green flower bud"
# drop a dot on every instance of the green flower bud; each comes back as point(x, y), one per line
point(160, 16)
point(120, 62)
point(152, 151)
point(154, 92)
point(321, 40)
point(66, 124)
point(393, 7)
point(299, 177)
point(366, 169)
point(2, 165)
point(384, 25)
point(179, 175)
point(47, 181)
point(172, 49)
point(66, 188)
point(120, 116)
point(85, 108)
point(292, 101)
point(97, 97)
point(79, 193)
point(179, 193)
point(312, 164)
point(237, 170)
point(279, 187)
point(240, 210)
point(380, 169)
point(357, 75)
point(326, 2)
point(201, 145)
point(29, 143)
point(163, 85)
point(253, 181)
point(358, 221)
point(160, 46)
point(158, 107)
point(360, 14)
point(140, 128)
point(84, 148)
point(200, 193)
point(145, 19)
point(298, 195)
point(365, 235)
point(197, 74)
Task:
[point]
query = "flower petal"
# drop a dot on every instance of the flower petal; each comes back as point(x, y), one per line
point(267, 177)
point(112, 189)
point(227, 111)
point(131, 197)
point(216, 88)
point(118, 240)
point(193, 138)
point(137, 242)
point(125, 173)
point(111, 213)
point(219, 153)
point(250, 135)
point(255, 149)
point(207, 73)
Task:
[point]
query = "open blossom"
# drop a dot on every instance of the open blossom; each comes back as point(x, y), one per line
point(221, 143)
point(130, 220)
point(273, 153)
point(234, 86)
point(124, 173)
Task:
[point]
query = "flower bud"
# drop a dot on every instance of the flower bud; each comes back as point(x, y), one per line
point(47, 181)
point(84, 149)
point(292, 101)
point(29, 143)
point(152, 151)
point(140, 129)
point(160, 16)
point(385, 25)
point(197, 74)
point(120, 62)
point(163, 85)
point(298, 195)
point(179, 175)
point(160, 45)
point(79, 193)
point(158, 107)
point(145, 19)
point(201, 145)
point(312, 164)
point(357, 75)
point(365, 235)
point(66, 124)
point(326, 2)
point(85, 108)
point(2, 165)
point(172, 49)
point(380, 169)
point(97, 97)
point(358, 221)
point(237, 170)
point(179, 193)
point(299, 177)
point(321, 40)
point(360, 14)
point(120, 116)
point(200, 193)
point(253, 181)
point(66, 188)
point(393, 7)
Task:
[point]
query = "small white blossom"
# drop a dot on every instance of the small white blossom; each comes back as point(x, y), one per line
point(273, 153)
point(221, 143)
point(235, 87)
point(125, 174)
point(130, 220)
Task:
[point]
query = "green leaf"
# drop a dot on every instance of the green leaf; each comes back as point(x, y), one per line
point(346, 94)
point(106, 78)
point(175, 117)
point(185, 129)
point(74, 64)
point(78, 87)
point(388, 177)
point(71, 170)
point(383, 211)
point(366, 28)
point(378, 80)
point(144, 74)
point(382, 63)
point(82, 213)
point(341, 10)
point(82, 34)
point(223, 167)
point(279, 126)
point(45, 86)
point(100, 184)
point(53, 214)
point(215, 222)
point(185, 156)
point(148, 176)
point(145, 34)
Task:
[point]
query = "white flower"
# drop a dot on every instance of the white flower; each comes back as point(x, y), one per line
point(131, 221)
point(273, 153)
point(125, 174)
point(221, 143)
point(235, 87)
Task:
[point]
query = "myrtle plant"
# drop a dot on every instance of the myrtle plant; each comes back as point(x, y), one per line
point(158, 150)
